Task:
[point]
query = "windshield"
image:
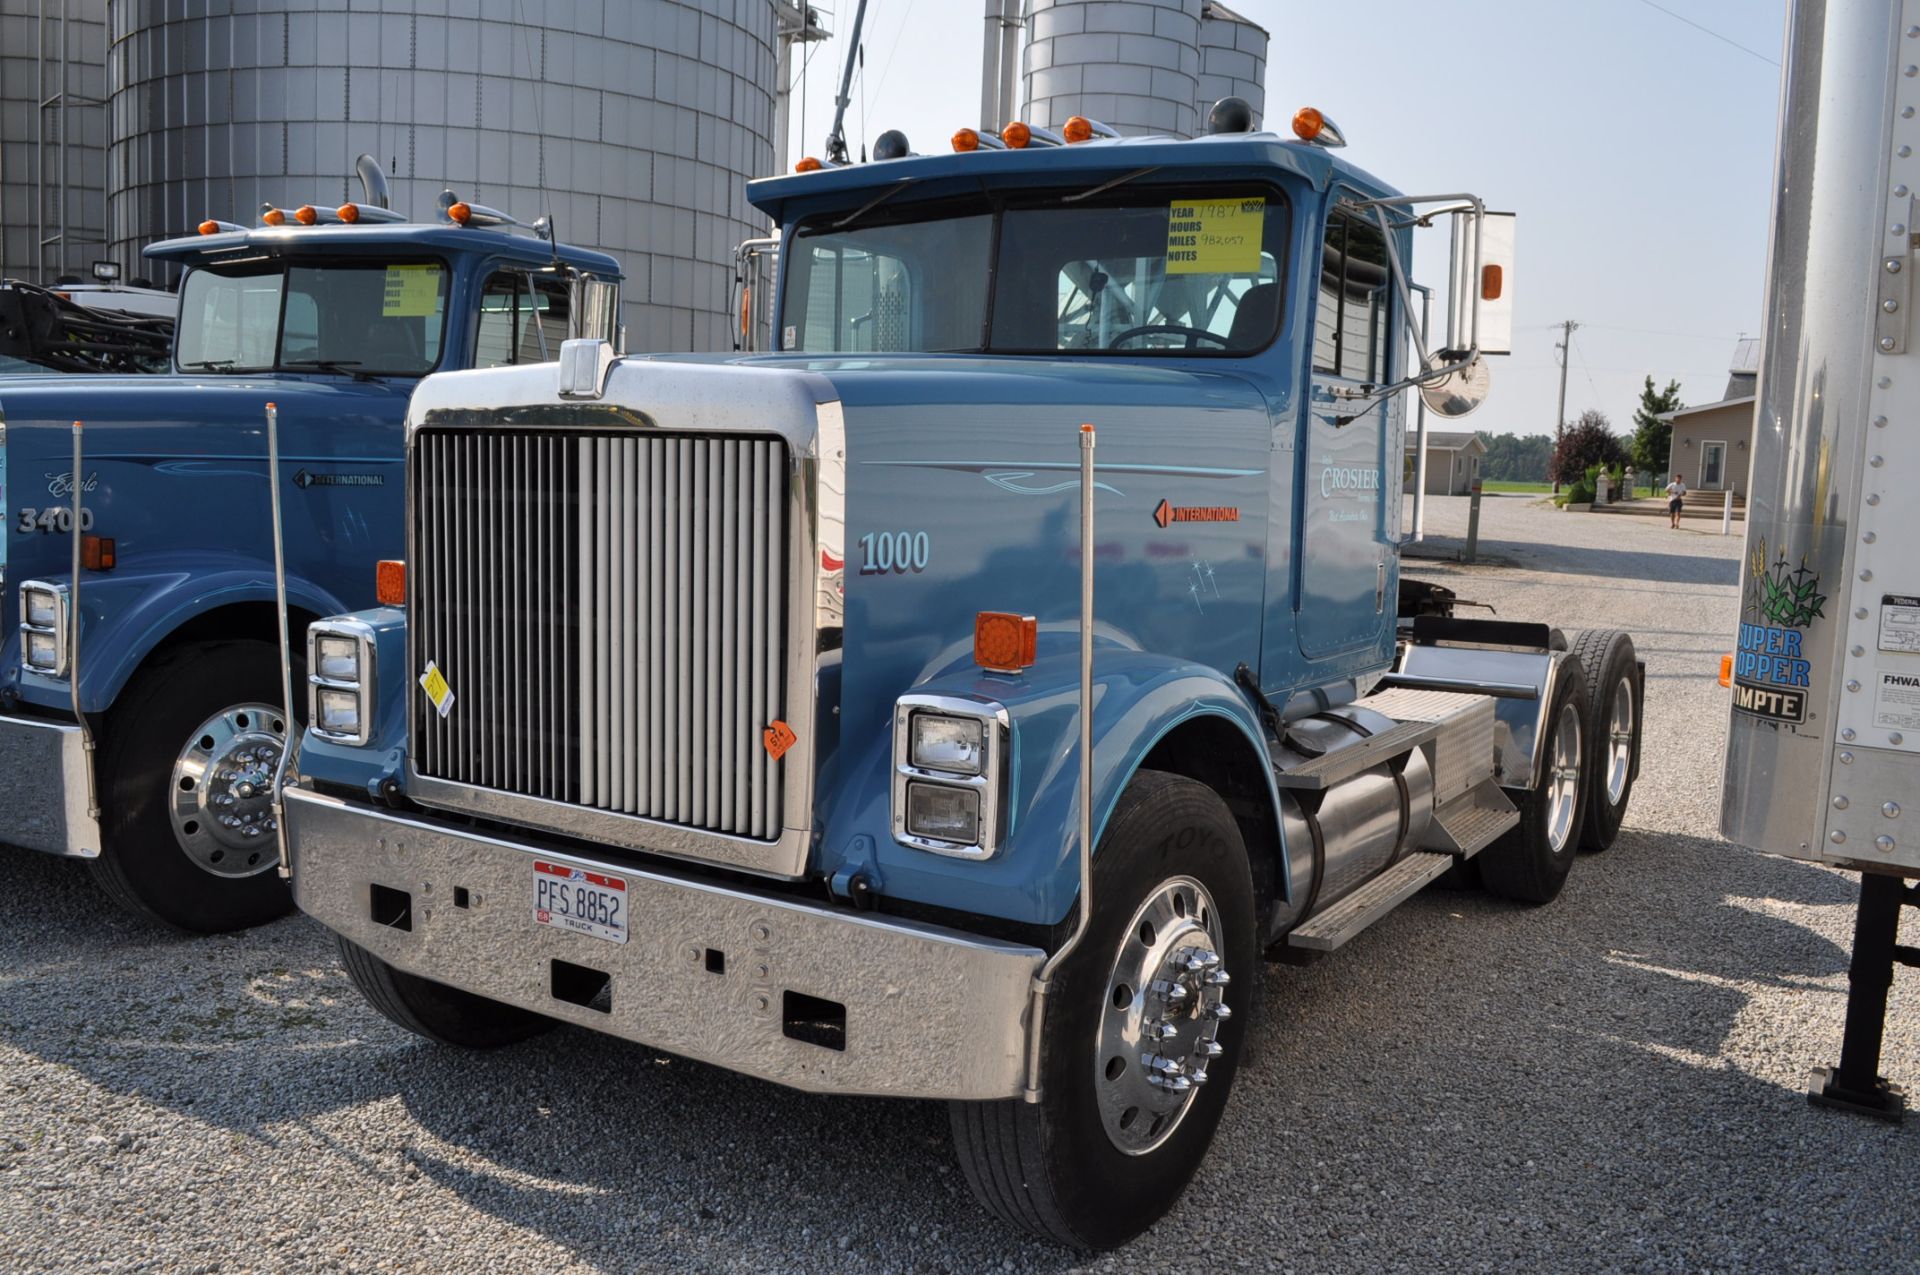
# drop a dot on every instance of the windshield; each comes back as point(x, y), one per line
point(378, 319)
point(1146, 273)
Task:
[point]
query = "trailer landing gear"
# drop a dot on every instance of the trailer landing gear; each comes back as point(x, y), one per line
point(1856, 1084)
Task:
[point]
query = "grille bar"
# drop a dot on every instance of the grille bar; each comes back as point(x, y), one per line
point(610, 612)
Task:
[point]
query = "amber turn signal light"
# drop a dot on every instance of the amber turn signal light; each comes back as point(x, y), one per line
point(96, 553)
point(1726, 670)
point(390, 583)
point(1004, 642)
point(1307, 123)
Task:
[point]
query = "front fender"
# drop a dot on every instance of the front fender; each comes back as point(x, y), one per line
point(125, 614)
point(370, 765)
point(1139, 698)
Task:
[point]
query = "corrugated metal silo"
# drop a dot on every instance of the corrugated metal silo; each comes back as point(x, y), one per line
point(636, 123)
point(52, 137)
point(1233, 61)
point(1132, 64)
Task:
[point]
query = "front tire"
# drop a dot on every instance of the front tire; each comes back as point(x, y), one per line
point(1531, 861)
point(187, 760)
point(1144, 1030)
point(442, 1014)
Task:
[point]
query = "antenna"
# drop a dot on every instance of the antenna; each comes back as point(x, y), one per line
point(837, 137)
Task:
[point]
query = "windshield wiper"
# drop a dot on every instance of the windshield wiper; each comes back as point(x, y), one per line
point(211, 365)
point(340, 367)
point(873, 203)
point(1103, 187)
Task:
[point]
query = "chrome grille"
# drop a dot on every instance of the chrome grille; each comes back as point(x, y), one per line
point(610, 612)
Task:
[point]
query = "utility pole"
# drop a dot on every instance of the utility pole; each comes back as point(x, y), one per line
point(1565, 346)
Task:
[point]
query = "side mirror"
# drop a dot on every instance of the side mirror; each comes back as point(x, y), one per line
point(594, 307)
point(1480, 283)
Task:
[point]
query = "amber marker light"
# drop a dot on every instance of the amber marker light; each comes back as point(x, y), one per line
point(966, 140)
point(1492, 280)
point(96, 553)
point(1004, 642)
point(459, 213)
point(348, 213)
point(274, 217)
point(306, 215)
point(808, 165)
point(390, 582)
point(1307, 123)
point(1078, 129)
point(1016, 135)
point(209, 227)
point(1726, 670)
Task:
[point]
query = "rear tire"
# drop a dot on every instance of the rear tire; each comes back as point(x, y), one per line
point(197, 725)
point(1531, 861)
point(442, 1014)
point(1616, 701)
point(1171, 886)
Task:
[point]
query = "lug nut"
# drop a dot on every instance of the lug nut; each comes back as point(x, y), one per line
point(1219, 978)
point(1195, 962)
point(1162, 1031)
point(1210, 1049)
point(1219, 1011)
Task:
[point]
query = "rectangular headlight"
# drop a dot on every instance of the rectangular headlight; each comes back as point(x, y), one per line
point(40, 607)
point(952, 744)
point(941, 813)
point(336, 658)
point(41, 652)
point(337, 712)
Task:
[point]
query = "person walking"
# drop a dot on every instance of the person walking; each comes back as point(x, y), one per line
point(1676, 497)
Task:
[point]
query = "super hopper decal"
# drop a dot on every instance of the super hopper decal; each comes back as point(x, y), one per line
point(1770, 670)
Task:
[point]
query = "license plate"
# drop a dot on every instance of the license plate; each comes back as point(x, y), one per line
point(570, 898)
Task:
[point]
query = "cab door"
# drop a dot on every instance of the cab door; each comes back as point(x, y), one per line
point(1350, 473)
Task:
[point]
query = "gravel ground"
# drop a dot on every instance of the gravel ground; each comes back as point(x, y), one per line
point(1611, 1083)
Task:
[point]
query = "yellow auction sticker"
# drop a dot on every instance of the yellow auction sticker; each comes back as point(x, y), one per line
point(434, 683)
point(1215, 236)
point(412, 292)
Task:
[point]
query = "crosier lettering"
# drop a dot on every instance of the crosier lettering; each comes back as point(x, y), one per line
point(1340, 479)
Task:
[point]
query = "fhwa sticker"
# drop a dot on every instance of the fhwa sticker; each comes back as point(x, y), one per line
point(434, 683)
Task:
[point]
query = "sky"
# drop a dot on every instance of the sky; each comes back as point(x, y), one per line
point(1636, 148)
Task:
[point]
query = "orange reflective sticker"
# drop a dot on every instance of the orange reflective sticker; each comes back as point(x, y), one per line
point(778, 738)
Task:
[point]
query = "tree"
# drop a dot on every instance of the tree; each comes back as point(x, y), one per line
point(1516, 458)
point(1653, 437)
point(1588, 441)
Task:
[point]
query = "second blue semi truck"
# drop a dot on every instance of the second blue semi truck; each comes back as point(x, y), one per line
point(959, 700)
point(139, 716)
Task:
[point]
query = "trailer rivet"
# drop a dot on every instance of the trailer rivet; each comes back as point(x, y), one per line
point(1879, 422)
point(1900, 191)
point(691, 953)
point(1874, 499)
point(762, 1004)
point(1887, 343)
point(762, 931)
point(1911, 71)
point(1853, 683)
point(1884, 844)
point(1904, 152)
point(1913, 33)
point(1893, 265)
point(1846, 758)
point(1891, 810)
point(1906, 112)
point(1896, 738)
point(1890, 305)
point(1886, 382)
point(1841, 803)
point(1865, 576)
point(1876, 461)
point(1857, 651)
point(1869, 538)
point(1860, 613)
point(1847, 734)
point(1838, 837)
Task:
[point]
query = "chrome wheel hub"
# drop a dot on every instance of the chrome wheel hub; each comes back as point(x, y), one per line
point(1159, 1024)
point(1563, 778)
point(222, 794)
point(1619, 741)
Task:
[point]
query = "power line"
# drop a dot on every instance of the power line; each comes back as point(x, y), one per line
point(1752, 53)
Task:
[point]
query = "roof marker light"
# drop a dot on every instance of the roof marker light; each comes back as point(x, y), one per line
point(808, 165)
point(966, 140)
point(349, 213)
point(1017, 135)
point(274, 217)
point(1311, 125)
point(209, 227)
point(306, 215)
point(459, 212)
point(1078, 129)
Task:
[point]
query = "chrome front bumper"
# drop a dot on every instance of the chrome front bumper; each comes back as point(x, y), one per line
point(44, 803)
point(708, 972)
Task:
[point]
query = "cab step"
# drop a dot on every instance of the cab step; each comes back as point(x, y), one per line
point(1472, 821)
point(1325, 931)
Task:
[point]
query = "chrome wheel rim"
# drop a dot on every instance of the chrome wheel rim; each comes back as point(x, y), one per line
point(1563, 778)
point(222, 793)
point(1619, 741)
point(1160, 1019)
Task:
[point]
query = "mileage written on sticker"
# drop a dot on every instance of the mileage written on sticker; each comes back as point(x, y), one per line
point(412, 292)
point(1215, 236)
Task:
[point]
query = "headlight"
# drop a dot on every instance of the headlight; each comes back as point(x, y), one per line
point(338, 712)
point(42, 652)
point(336, 659)
point(949, 774)
point(947, 743)
point(41, 606)
point(340, 681)
point(43, 628)
point(944, 813)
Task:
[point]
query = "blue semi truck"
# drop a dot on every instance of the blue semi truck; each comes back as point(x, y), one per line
point(831, 715)
point(139, 715)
